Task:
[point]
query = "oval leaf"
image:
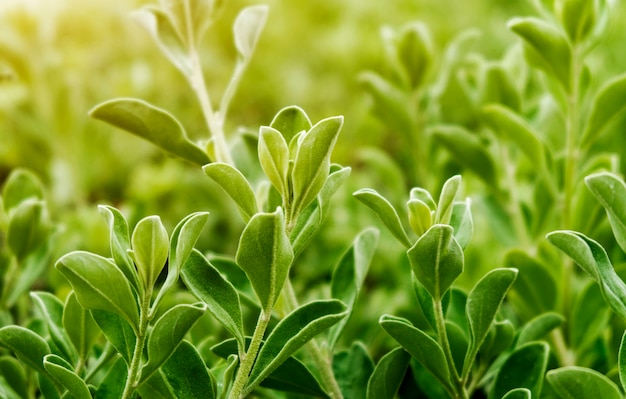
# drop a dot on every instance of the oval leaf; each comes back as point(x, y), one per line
point(51, 309)
point(524, 368)
point(117, 331)
point(290, 121)
point(274, 158)
point(20, 185)
point(248, 27)
point(150, 248)
point(236, 186)
point(29, 347)
point(385, 211)
point(446, 200)
point(582, 383)
point(61, 371)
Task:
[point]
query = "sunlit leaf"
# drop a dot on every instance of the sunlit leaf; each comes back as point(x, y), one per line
point(235, 185)
point(150, 244)
point(274, 158)
point(248, 27)
point(385, 211)
point(291, 120)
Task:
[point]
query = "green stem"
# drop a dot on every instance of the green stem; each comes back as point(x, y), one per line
point(442, 336)
point(134, 371)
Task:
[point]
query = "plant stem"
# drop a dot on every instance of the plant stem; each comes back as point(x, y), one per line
point(445, 345)
point(246, 363)
point(134, 372)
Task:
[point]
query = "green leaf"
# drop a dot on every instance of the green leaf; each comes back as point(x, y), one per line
point(352, 369)
point(19, 186)
point(274, 158)
point(518, 393)
point(499, 339)
point(590, 255)
point(467, 150)
point(446, 200)
point(436, 259)
point(206, 282)
point(112, 386)
point(61, 371)
point(420, 217)
point(14, 377)
point(190, 19)
point(265, 254)
point(248, 27)
point(187, 375)
point(538, 327)
point(548, 45)
point(418, 193)
point(168, 332)
point(385, 211)
point(150, 249)
point(290, 121)
point(608, 106)
point(28, 228)
point(415, 52)
point(481, 308)
point(574, 382)
point(153, 124)
point(52, 311)
point(425, 301)
point(578, 18)
point(291, 333)
point(306, 226)
point(47, 387)
point(99, 284)
point(312, 161)
point(419, 345)
point(390, 102)
point(29, 347)
point(117, 331)
point(462, 222)
point(524, 368)
point(610, 191)
point(236, 186)
point(349, 276)
point(509, 125)
point(589, 317)
point(120, 243)
point(388, 374)
point(498, 86)
point(621, 361)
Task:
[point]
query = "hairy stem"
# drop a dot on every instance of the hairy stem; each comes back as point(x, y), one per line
point(134, 371)
point(442, 336)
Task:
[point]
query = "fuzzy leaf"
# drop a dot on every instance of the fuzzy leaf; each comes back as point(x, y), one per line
point(608, 106)
point(248, 27)
point(274, 158)
point(388, 374)
point(312, 161)
point(419, 345)
point(349, 276)
point(28, 347)
point(236, 186)
point(482, 305)
point(207, 283)
point(51, 309)
point(610, 191)
point(446, 200)
point(420, 218)
point(537, 328)
point(581, 383)
point(352, 369)
point(150, 244)
point(79, 325)
point(385, 211)
point(290, 121)
point(120, 243)
point(187, 375)
point(291, 333)
point(265, 254)
point(153, 124)
point(20, 185)
point(168, 332)
point(61, 371)
point(436, 259)
point(99, 284)
point(547, 43)
point(524, 368)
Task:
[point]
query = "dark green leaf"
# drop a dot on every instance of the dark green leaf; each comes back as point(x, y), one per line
point(610, 191)
point(206, 282)
point(352, 369)
point(265, 254)
point(388, 374)
point(524, 368)
point(518, 393)
point(120, 243)
point(385, 211)
point(117, 331)
point(436, 259)
point(150, 244)
point(62, 372)
point(168, 332)
point(187, 375)
point(20, 185)
point(153, 124)
point(589, 317)
point(538, 327)
point(112, 386)
point(349, 275)
point(291, 333)
point(248, 27)
point(419, 345)
point(581, 383)
point(52, 311)
point(15, 377)
point(290, 121)
point(29, 347)
point(608, 106)
point(235, 185)
point(99, 284)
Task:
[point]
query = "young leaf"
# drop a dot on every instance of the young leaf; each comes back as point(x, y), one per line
point(581, 383)
point(420, 218)
point(28, 228)
point(538, 327)
point(548, 44)
point(590, 255)
point(524, 368)
point(607, 107)
point(436, 259)
point(29, 347)
point(446, 200)
point(235, 185)
point(79, 326)
point(187, 375)
point(120, 243)
point(385, 211)
point(248, 27)
point(274, 158)
point(307, 225)
point(290, 121)
point(295, 330)
point(349, 275)
point(117, 331)
point(167, 333)
point(99, 284)
point(462, 222)
point(312, 161)
point(265, 254)
point(482, 305)
point(419, 345)
point(610, 191)
point(153, 124)
point(352, 369)
point(388, 374)
point(150, 249)
point(206, 282)
point(61, 371)
point(20, 185)
point(52, 311)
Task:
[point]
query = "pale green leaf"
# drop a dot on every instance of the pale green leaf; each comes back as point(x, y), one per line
point(385, 211)
point(578, 18)
point(608, 106)
point(415, 53)
point(27, 346)
point(248, 27)
point(621, 361)
point(21, 184)
point(446, 200)
point(420, 218)
point(274, 158)
point(235, 185)
point(575, 382)
point(538, 327)
point(28, 228)
point(462, 222)
point(610, 191)
point(150, 244)
point(290, 121)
